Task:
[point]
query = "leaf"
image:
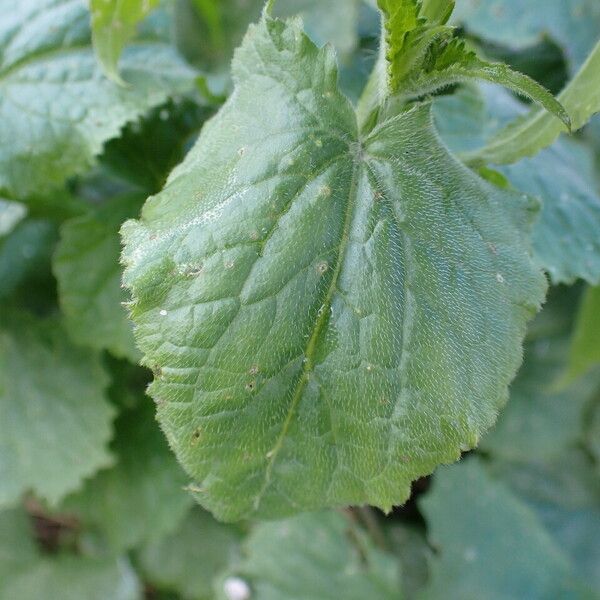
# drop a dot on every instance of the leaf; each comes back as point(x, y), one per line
point(86, 265)
point(507, 22)
point(326, 22)
point(321, 555)
point(585, 348)
point(141, 497)
point(565, 237)
point(318, 304)
point(72, 578)
point(540, 421)
point(11, 213)
point(538, 130)
point(113, 25)
point(17, 548)
point(423, 57)
point(56, 107)
point(490, 544)
point(55, 421)
point(187, 560)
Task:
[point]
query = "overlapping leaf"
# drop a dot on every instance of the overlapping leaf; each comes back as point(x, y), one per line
point(329, 316)
point(55, 421)
point(56, 108)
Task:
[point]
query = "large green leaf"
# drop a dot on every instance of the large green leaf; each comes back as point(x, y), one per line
point(585, 349)
point(575, 24)
point(113, 25)
point(142, 496)
point(86, 265)
point(321, 555)
point(188, 560)
point(329, 316)
point(489, 543)
point(55, 421)
point(538, 130)
point(56, 108)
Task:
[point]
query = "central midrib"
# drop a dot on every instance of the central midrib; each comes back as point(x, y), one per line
point(308, 363)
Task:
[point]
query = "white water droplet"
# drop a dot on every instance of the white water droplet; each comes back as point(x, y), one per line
point(236, 588)
point(499, 278)
point(163, 313)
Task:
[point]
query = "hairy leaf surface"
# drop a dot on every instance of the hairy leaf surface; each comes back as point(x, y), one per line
point(329, 316)
point(56, 107)
point(322, 555)
point(55, 421)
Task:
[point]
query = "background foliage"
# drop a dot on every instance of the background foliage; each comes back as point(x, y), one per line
point(93, 503)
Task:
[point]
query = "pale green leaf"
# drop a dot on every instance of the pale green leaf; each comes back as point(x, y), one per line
point(142, 496)
point(574, 24)
point(188, 560)
point(489, 543)
point(538, 130)
point(11, 213)
point(74, 578)
point(585, 348)
point(86, 265)
point(114, 23)
point(56, 108)
point(55, 421)
point(565, 237)
point(541, 419)
point(320, 555)
point(329, 316)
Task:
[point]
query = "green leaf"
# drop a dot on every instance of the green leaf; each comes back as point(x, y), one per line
point(142, 496)
point(321, 555)
point(188, 560)
point(56, 108)
point(73, 578)
point(538, 130)
point(86, 265)
point(565, 237)
point(114, 23)
point(326, 22)
point(330, 316)
point(423, 57)
point(585, 348)
point(55, 421)
point(541, 421)
point(471, 521)
point(572, 23)
point(17, 548)
point(11, 213)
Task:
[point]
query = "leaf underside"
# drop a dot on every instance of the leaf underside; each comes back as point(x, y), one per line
point(328, 316)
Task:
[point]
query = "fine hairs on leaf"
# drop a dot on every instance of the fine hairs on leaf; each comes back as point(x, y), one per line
point(331, 313)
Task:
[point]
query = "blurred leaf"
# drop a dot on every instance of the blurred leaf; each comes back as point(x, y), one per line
point(57, 109)
point(113, 25)
point(585, 349)
point(565, 237)
point(17, 547)
point(537, 130)
point(489, 543)
point(86, 265)
point(11, 213)
point(188, 559)
point(142, 496)
point(320, 555)
point(55, 421)
point(575, 24)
